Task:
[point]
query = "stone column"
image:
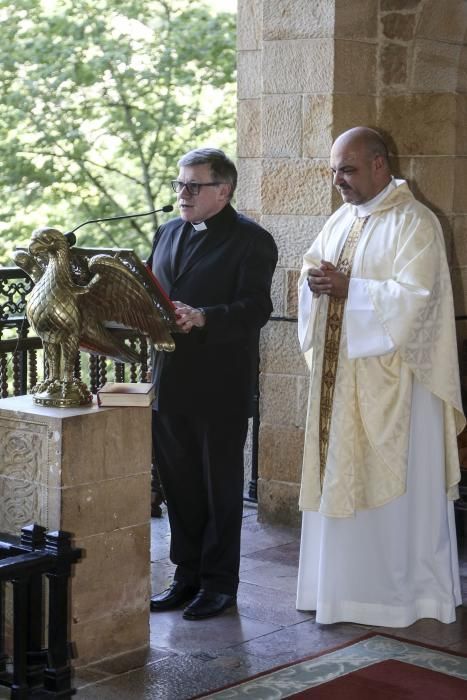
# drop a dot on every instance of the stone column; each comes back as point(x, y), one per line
point(306, 72)
point(87, 471)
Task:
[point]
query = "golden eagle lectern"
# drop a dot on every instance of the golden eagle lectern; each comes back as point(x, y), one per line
point(74, 302)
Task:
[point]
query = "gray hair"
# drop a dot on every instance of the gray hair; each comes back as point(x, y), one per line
point(221, 166)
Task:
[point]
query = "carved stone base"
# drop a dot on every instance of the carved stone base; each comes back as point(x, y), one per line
point(87, 470)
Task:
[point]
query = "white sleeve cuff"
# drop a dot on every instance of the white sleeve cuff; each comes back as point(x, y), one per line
point(366, 336)
point(305, 324)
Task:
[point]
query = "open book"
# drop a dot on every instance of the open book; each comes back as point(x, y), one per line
point(125, 394)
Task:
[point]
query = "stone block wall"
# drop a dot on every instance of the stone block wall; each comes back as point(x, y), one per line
point(306, 72)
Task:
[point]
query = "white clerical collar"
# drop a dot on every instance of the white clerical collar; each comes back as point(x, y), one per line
point(200, 227)
point(369, 207)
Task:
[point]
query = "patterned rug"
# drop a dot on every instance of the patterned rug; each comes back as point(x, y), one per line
point(375, 667)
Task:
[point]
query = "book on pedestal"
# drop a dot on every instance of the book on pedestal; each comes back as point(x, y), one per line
point(126, 394)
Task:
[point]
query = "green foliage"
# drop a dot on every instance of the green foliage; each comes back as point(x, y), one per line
point(99, 100)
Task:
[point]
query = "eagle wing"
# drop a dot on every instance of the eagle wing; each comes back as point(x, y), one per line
point(96, 339)
point(29, 263)
point(115, 295)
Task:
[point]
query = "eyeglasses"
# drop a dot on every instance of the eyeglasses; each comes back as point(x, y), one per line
point(191, 187)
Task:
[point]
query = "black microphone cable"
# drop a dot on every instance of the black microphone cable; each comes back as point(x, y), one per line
point(69, 235)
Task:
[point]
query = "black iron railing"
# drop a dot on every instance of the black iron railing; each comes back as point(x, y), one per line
point(38, 661)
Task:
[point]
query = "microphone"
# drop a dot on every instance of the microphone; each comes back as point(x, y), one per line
point(71, 238)
point(70, 235)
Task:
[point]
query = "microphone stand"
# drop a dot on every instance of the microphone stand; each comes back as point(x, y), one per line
point(70, 235)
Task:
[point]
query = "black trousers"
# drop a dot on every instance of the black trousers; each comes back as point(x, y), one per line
point(200, 463)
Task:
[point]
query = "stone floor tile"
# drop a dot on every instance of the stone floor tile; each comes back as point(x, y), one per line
point(160, 538)
point(150, 682)
point(282, 554)
point(433, 632)
point(119, 664)
point(248, 563)
point(459, 648)
point(88, 674)
point(178, 679)
point(300, 641)
point(269, 605)
point(274, 535)
point(170, 631)
point(250, 546)
point(162, 573)
point(233, 666)
point(280, 577)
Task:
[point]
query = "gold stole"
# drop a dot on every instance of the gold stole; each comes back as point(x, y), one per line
point(332, 340)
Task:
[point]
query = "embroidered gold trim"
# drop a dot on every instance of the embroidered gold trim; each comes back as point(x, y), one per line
point(332, 340)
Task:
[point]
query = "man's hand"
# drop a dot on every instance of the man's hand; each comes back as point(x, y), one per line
point(326, 279)
point(187, 317)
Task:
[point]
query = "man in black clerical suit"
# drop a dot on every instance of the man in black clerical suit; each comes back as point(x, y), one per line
point(217, 266)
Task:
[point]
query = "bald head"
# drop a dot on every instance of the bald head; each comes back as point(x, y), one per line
point(365, 138)
point(359, 162)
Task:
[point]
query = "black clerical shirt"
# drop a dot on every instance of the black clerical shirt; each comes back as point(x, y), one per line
point(190, 241)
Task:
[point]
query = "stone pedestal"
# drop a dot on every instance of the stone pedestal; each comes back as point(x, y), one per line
point(87, 471)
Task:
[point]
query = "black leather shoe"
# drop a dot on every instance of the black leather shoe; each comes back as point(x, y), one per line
point(173, 597)
point(208, 604)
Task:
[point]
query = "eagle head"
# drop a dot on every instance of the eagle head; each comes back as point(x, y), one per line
point(47, 240)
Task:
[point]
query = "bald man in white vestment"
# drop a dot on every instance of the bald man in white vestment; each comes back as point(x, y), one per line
point(380, 466)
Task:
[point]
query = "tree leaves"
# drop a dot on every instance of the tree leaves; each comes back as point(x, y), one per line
point(99, 100)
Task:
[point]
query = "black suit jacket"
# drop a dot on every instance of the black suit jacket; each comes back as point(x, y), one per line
point(229, 275)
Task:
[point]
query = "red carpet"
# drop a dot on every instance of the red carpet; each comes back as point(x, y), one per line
point(374, 667)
